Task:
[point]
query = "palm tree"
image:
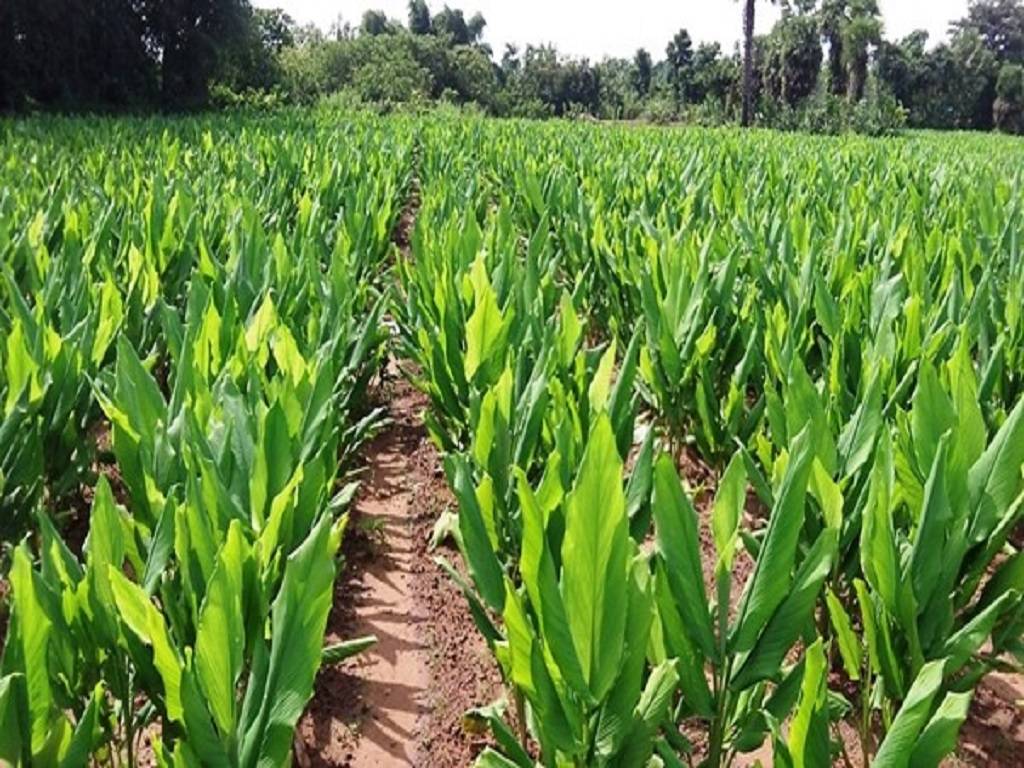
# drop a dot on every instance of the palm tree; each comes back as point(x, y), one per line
point(862, 29)
point(748, 61)
point(832, 17)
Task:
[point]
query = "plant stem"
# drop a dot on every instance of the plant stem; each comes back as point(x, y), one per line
point(517, 696)
point(129, 711)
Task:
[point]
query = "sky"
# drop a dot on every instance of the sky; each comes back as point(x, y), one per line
point(596, 28)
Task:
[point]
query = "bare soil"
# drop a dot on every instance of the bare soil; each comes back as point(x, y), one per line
point(401, 702)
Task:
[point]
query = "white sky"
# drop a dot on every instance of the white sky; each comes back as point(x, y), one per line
point(595, 28)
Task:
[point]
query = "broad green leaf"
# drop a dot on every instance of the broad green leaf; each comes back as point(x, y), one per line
point(769, 584)
point(541, 583)
point(728, 511)
point(679, 548)
point(35, 630)
point(849, 643)
point(594, 564)
point(143, 619)
point(808, 735)
point(939, 737)
point(298, 619)
point(220, 637)
point(897, 747)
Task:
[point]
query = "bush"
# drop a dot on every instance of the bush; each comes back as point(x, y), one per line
point(222, 96)
point(880, 114)
point(877, 114)
point(1008, 110)
point(660, 109)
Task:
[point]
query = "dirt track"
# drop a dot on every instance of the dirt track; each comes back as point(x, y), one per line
point(400, 703)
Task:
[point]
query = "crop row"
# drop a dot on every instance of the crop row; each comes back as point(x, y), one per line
point(733, 421)
point(190, 316)
point(832, 329)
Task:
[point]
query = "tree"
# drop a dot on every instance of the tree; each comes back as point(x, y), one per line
point(1009, 105)
point(8, 98)
point(75, 54)
point(253, 62)
point(275, 28)
point(861, 29)
point(387, 73)
point(793, 55)
point(748, 61)
point(1000, 25)
point(377, 23)
point(618, 99)
point(642, 66)
point(711, 75)
point(679, 58)
point(475, 26)
point(452, 23)
point(190, 36)
point(949, 86)
point(474, 78)
point(902, 66)
point(419, 17)
point(831, 18)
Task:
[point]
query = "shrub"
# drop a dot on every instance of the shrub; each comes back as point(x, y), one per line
point(1008, 110)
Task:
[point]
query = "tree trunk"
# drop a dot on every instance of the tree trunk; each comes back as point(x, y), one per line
point(837, 72)
point(857, 78)
point(748, 62)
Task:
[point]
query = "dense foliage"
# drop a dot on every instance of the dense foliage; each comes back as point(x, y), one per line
point(190, 315)
point(735, 427)
point(733, 420)
point(826, 66)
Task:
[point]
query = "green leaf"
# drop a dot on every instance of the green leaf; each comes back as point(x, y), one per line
point(147, 624)
point(11, 729)
point(491, 759)
point(769, 584)
point(346, 649)
point(476, 542)
point(793, 616)
point(541, 582)
point(857, 440)
point(995, 479)
point(939, 738)
point(849, 644)
point(594, 560)
point(932, 415)
point(804, 409)
point(808, 735)
point(899, 742)
point(728, 511)
point(298, 619)
point(689, 660)
point(35, 629)
point(878, 556)
point(220, 637)
point(88, 735)
point(679, 548)
point(486, 325)
point(600, 385)
point(965, 642)
point(926, 559)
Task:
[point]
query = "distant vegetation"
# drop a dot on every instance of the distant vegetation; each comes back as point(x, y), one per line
point(826, 65)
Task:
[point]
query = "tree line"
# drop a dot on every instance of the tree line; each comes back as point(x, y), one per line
point(825, 65)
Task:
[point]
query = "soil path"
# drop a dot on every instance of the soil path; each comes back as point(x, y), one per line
point(395, 672)
point(401, 702)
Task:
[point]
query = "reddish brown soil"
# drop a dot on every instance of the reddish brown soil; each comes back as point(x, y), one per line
point(401, 702)
point(994, 732)
point(992, 737)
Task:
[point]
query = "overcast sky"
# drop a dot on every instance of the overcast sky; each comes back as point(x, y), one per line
point(595, 28)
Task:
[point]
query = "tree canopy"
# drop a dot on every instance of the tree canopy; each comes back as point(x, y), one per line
point(823, 62)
